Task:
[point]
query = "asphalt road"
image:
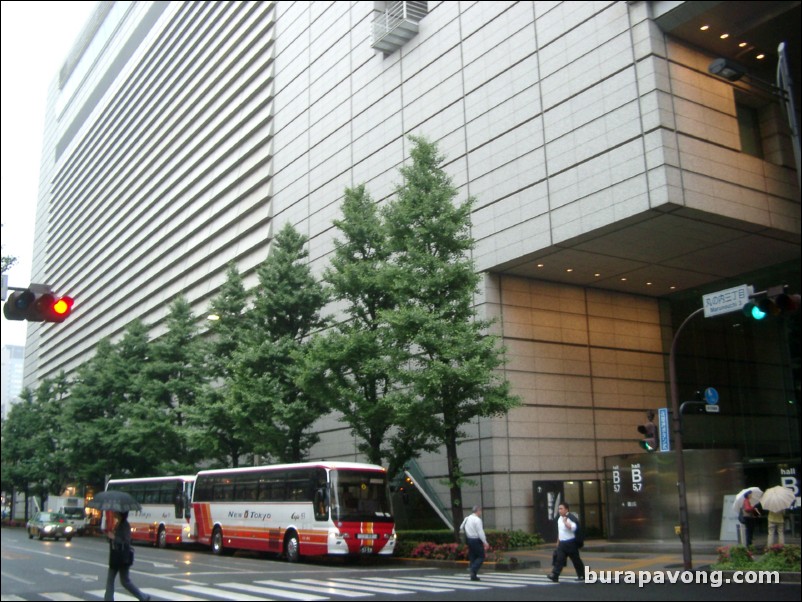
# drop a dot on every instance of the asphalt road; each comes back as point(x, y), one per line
point(48, 570)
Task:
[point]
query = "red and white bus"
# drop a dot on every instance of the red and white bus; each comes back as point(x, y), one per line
point(309, 509)
point(166, 515)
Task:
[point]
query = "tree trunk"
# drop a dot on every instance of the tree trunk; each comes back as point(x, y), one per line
point(454, 476)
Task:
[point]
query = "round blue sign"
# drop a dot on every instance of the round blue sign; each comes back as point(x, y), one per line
point(711, 396)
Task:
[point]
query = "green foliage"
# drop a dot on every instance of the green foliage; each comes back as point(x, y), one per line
point(356, 356)
point(172, 380)
point(735, 556)
point(435, 536)
point(449, 364)
point(403, 548)
point(442, 551)
point(780, 558)
point(407, 368)
point(776, 558)
point(498, 540)
point(217, 421)
point(272, 365)
point(24, 443)
point(519, 539)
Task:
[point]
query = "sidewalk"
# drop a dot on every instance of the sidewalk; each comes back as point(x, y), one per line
point(603, 555)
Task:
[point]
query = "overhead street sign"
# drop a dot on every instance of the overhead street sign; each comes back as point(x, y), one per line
point(726, 301)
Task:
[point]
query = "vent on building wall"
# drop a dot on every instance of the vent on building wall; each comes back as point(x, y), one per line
point(396, 24)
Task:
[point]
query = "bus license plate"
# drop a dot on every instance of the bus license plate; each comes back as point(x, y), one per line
point(366, 550)
point(367, 536)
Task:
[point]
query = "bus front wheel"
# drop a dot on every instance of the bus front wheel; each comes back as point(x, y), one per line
point(161, 538)
point(217, 541)
point(292, 548)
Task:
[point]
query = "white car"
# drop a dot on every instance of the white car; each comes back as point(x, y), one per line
point(49, 524)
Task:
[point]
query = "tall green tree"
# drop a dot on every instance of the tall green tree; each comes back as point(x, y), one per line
point(106, 437)
point(92, 409)
point(172, 381)
point(50, 396)
point(451, 364)
point(360, 365)
point(218, 419)
point(25, 447)
point(271, 364)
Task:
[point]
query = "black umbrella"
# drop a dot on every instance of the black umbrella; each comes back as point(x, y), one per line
point(116, 501)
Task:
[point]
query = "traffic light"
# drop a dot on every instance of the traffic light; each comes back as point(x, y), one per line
point(37, 304)
point(775, 302)
point(649, 442)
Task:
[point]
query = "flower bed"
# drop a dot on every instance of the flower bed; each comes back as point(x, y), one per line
point(783, 558)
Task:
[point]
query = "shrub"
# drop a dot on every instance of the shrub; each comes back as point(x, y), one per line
point(446, 551)
point(501, 540)
point(780, 558)
point(498, 540)
point(435, 536)
point(776, 558)
point(734, 557)
point(403, 548)
point(522, 539)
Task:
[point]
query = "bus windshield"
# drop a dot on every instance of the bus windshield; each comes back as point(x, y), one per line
point(360, 496)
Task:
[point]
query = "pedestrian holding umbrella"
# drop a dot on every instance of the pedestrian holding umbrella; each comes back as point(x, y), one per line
point(121, 554)
point(776, 500)
point(756, 492)
point(744, 504)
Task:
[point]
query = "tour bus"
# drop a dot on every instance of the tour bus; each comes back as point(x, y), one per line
point(166, 517)
point(308, 509)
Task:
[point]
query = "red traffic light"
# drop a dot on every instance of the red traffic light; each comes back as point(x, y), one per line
point(37, 306)
point(59, 309)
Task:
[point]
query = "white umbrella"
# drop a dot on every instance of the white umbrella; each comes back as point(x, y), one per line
point(777, 499)
point(756, 492)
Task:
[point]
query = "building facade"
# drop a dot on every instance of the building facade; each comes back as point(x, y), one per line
point(617, 181)
point(13, 358)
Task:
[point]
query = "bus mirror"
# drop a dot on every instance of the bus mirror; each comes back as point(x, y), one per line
point(187, 506)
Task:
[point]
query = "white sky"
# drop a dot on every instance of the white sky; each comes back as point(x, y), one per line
point(35, 38)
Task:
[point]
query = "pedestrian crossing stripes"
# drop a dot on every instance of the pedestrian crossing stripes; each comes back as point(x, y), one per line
point(316, 590)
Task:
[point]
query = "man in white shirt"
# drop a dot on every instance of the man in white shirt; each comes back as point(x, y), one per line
point(477, 542)
point(566, 547)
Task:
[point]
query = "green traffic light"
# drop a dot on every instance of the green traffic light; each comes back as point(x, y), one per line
point(751, 310)
point(648, 446)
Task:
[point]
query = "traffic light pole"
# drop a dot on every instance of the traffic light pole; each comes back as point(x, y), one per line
point(685, 534)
